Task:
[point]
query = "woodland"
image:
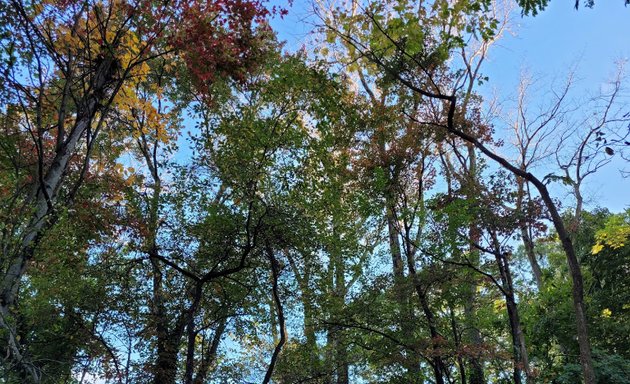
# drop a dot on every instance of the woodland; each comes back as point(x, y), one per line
point(183, 199)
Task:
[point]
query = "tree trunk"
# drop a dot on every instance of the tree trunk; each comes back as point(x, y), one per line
point(476, 368)
point(521, 360)
point(308, 306)
point(531, 256)
point(476, 373)
point(528, 242)
point(458, 343)
point(577, 290)
point(210, 355)
point(275, 272)
point(340, 345)
point(167, 343)
point(439, 367)
point(411, 363)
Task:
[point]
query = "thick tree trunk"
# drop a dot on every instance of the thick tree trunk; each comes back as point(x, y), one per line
point(167, 343)
point(165, 369)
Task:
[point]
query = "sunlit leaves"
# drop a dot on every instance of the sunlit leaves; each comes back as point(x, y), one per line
point(615, 233)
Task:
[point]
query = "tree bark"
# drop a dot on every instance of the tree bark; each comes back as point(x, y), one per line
point(308, 305)
point(476, 373)
point(457, 339)
point(439, 367)
point(411, 363)
point(528, 242)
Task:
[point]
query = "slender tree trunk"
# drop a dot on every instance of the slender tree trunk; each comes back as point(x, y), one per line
point(521, 360)
point(458, 343)
point(577, 290)
point(279, 309)
point(308, 307)
point(476, 368)
point(210, 355)
point(528, 242)
point(190, 350)
point(411, 363)
point(340, 344)
point(439, 367)
point(476, 372)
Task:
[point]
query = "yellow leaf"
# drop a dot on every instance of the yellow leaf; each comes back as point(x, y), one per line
point(606, 312)
point(597, 248)
point(498, 305)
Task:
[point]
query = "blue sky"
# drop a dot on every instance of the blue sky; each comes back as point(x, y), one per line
point(547, 46)
point(559, 36)
point(558, 39)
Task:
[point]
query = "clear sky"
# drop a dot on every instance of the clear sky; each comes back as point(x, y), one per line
point(559, 36)
point(547, 46)
point(554, 41)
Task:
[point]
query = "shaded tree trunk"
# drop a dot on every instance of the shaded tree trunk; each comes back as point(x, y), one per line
point(456, 337)
point(339, 340)
point(209, 357)
point(476, 372)
point(528, 243)
point(279, 309)
point(526, 236)
point(521, 359)
point(411, 363)
point(440, 369)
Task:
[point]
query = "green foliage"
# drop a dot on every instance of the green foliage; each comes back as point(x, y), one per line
point(533, 6)
point(324, 195)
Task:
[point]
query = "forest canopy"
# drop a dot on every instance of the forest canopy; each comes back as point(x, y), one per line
point(185, 199)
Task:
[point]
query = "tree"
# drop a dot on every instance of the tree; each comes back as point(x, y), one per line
point(68, 67)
